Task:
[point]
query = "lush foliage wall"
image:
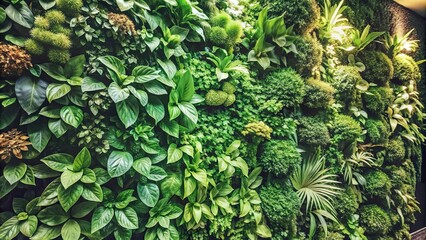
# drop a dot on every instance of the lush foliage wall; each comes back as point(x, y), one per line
point(228, 119)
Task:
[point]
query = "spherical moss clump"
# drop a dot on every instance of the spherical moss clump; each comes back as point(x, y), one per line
point(319, 94)
point(285, 86)
point(377, 99)
point(395, 151)
point(374, 220)
point(279, 204)
point(59, 55)
point(234, 30)
point(309, 55)
point(303, 14)
point(346, 129)
point(221, 19)
point(312, 132)
point(378, 184)
point(70, 7)
point(55, 17)
point(34, 47)
point(331, 236)
point(228, 88)
point(406, 68)
point(377, 131)
point(229, 100)
point(345, 79)
point(378, 67)
point(219, 37)
point(280, 157)
point(216, 98)
point(225, 32)
point(401, 175)
point(346, 203)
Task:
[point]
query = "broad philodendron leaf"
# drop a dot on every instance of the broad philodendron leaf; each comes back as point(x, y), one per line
point(30, 93)
point(72, 115)
point(93, 192)
point(148, 193)
point(118, 93)
point(119, 163)
point(29, 227)
point(57, 127)
point(50, 193)
point(68, 178)
point(21, 14)
point(55, 91)
point(125, 5)
point(189, 110)
point(142, 166)
point(128, 111)
point(45, 232)
point(90, 84)
point(71, 230)
point(155, 109)
point(185, 87)
point(101, 217)
point(157, 174)
point(58, 161)
point(174, 154)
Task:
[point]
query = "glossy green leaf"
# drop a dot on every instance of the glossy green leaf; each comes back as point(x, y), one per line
point(50, 193)
point(119, 163)
point(142, 166)
point(68, 197)
point(29, 227)
point(82, 160)
point(72, 115)
point(155, 109)
point(93, 192)
point(55, 91)
point(39, 136)
point(101, 217)
point(174, 154)
point(14, 172)
point(58, 161)
point(75, 66)
point(68, 178)
point(45, 232)
point(71, 230)
point(127, 218)
point(128, 111)
point(90, 84)
point(81, 210)
point(21, 14)
point(57, 127)
point(118, 93)
point(9, 229)
point(157, 174)
point(30, 93)
point(189, 110)
point(53, 215)
point(148, 193)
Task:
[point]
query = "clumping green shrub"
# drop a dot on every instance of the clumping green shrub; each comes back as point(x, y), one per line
point(284, 85)
point(216, 98)
point(395, 151)
point(70, 7)
point(331, 236)
point(346, 203)
point(345, 129)
point(378, 184)
point(280, 157)
point(225, 32)
point(377, 99)
point(374, 220)
point(312, 132)
point(378, 67)
point(303, 14)
point(406, 68)
point(228, 88)
point(401, 175)
point(377, 131)
point(319, 94)
point(203, 73)
point(345, 79)
point(309, 55)
point(280, 205)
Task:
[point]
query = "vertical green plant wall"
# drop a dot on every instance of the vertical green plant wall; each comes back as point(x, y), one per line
point(227, 119)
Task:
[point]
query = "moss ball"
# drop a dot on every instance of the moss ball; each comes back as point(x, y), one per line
point(58, 55)
point(312, 132)
point(373, 102)
point(402, 175)
point(229, 100)
point(221, 19)
point(55, 17)
point(395, 151)
point(378, 67)
point(216, 98)
point(234, 30)
point(219, 37)
point(34, 47)
point(279, 204)
point(345, 129)
point(374, 220)
point(303, 14)
point(406, 69)
point(309, 55)
point(346, 203)
point(60, 40)
point(319, 94)
point(377, 131)
point(345, 80)
point(378, 184)
point(285, 86)
point(280, 157)
point(41, 22)
point(70, 8)
point(228, 88)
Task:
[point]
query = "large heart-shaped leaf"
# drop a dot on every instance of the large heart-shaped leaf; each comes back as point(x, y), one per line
point(72, 115)
point(117, 93)
point(148, 193)
point(119, 163)
point(68, 178)
point(53, 215)
point(29, 227)
point(127, 218)
point(128, 111)
point(55, 91)
point(189, 110)
point(21, 14)
point(14, 172)
point(57, 127)
point(93, 192)
point(90, 84)
point(30, 93)
point(9, 229)
point(82, 160)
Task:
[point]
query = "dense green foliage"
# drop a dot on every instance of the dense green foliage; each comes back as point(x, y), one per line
point(178, 119)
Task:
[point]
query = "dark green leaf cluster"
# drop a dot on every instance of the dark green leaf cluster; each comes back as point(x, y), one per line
point(374, 220)
point(308, 58)
point(345, 129)
point(377, 99)
point(345, 80)
point(378, 67)
point(319, 94)
point(395, 151)
point(377, 131)
point(377, 185)
point(346, 203)
point(280, 157)
point(312, 132)
point(285, 86)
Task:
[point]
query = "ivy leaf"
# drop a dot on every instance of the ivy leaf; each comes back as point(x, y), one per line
point(148, 193)
point(127, 218)
point(53, 215)
point(71, 230)
point(14, 172)
point(101, 217)
point(68, 197)
point(119, 163)
point(72, 115)
point(30, 93)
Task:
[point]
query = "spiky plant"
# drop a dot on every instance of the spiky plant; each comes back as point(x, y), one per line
point(349, 166)
point(12, 143)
